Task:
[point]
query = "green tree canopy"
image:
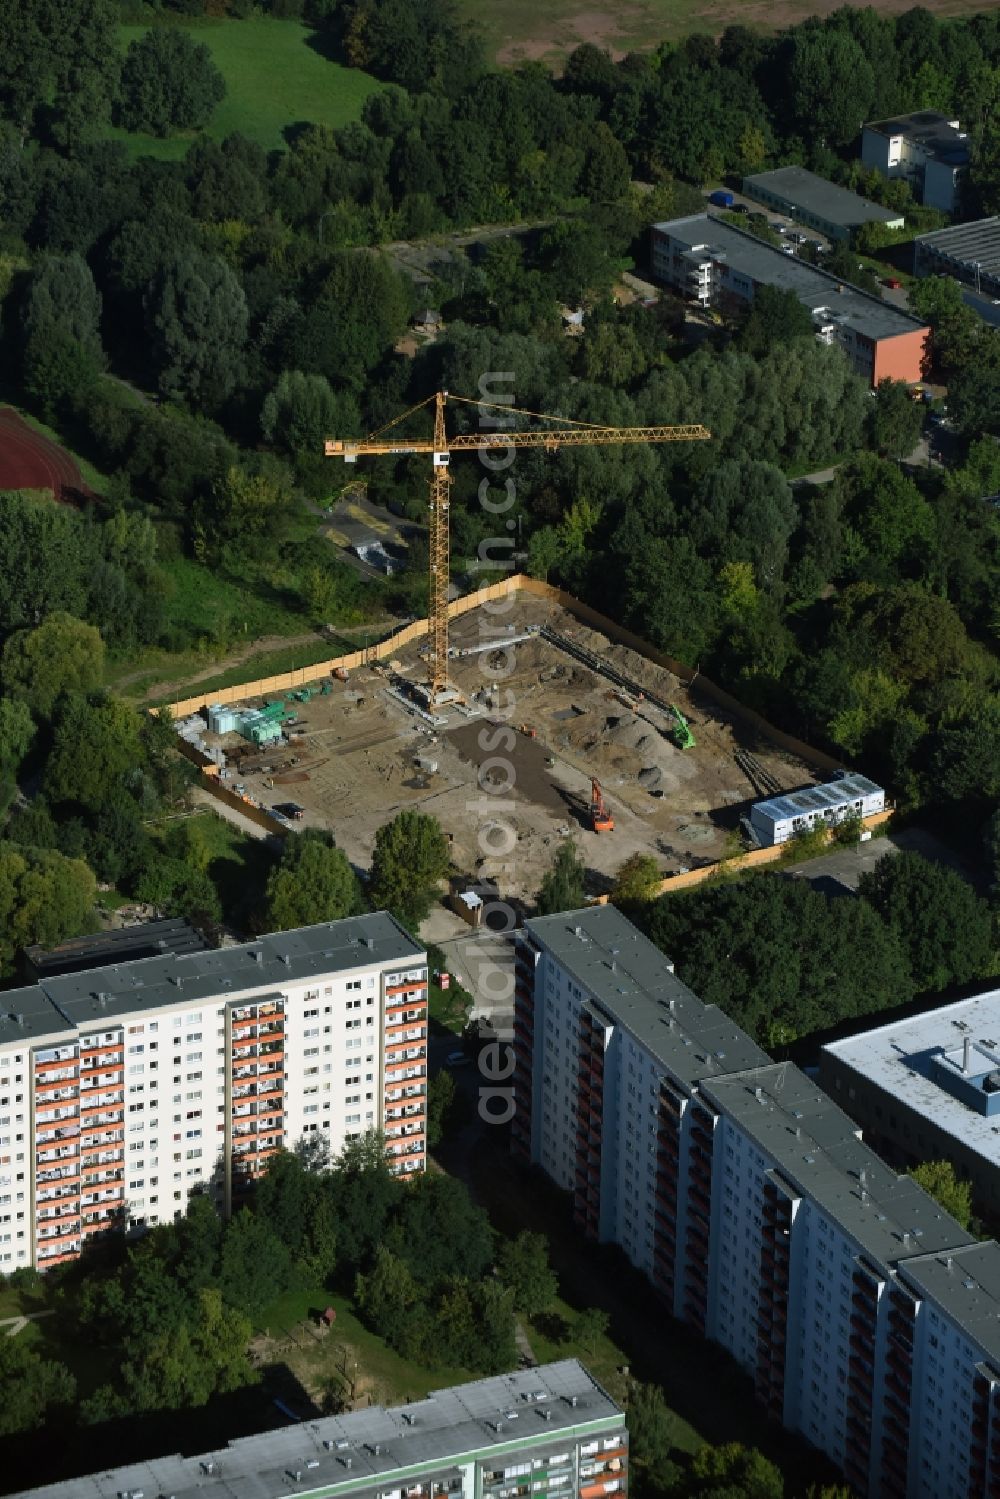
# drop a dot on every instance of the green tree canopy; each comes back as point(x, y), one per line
point(313, 882)
point(779, 957)
point(523, 1266)
point(945, 929)
point(168, 82)
point(197, 319)
point(31, 1386)
point(302, 410)
point(939, 1179)
point(44, 897)
point(63, 299)
point(62, 654)
point(410, 859)
point(562, 887)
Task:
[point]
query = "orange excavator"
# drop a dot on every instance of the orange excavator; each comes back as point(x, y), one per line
point(600, 818)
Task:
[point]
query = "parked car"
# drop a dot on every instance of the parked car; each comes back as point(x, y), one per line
point(456, 1059)
point(721, 198)
point(893, 283)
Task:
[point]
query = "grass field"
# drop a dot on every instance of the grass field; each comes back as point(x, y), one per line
point(274, 79)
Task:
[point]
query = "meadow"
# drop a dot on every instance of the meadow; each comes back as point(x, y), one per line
point(275, 79)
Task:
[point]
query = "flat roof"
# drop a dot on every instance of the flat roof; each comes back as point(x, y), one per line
point(817, 1150)
point(967, 246)
point(824, 199)
point(900, 1058)
point(99, 995)
point(27, 1016)
point(849, 788)
point(312, 1458)
point(965, 1285)
point(817, 290)
point(146, 939)
point(635, 986)
point(935, 133)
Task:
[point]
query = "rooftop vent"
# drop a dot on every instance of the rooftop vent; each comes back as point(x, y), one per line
point(969, 1284)
point(342, 1444)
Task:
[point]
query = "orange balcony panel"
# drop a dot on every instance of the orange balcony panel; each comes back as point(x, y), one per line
point(52, 1085)
point(42, 1067)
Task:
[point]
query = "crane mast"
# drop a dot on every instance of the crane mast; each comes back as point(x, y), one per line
point(440, 448)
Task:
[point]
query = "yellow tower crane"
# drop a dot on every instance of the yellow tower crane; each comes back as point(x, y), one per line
point(441, 446)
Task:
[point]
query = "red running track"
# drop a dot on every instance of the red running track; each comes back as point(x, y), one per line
point(30, 461)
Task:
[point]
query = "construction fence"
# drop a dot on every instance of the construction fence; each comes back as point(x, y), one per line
point(740, 862)
point(493, 593)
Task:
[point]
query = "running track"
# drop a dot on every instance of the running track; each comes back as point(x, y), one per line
point(30, 461)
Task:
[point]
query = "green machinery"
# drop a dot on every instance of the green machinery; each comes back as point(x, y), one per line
point(683, 737)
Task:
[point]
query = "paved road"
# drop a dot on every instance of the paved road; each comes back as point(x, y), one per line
point(840, 871)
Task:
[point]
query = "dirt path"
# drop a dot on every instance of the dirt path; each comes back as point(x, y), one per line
point(224, 663)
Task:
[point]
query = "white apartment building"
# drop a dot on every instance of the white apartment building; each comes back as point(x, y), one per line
point(926, 148)
point(868, 1318)
point(123, 1089)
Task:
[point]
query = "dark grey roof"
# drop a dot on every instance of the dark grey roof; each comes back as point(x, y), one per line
point(936, 134)
point(966, 245)
point(817, 290)
point(272, 962)
point(429, 1435)
point(966, 1285)
point(802, 189)
point(817, 1149)
point(147, 939)
point(27, 1016)
point(634, 984)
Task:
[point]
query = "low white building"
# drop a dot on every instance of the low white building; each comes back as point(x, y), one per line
point(783, 817)
point(926, 148)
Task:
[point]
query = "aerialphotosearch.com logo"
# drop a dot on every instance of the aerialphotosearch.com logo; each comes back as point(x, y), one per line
point(493, 808)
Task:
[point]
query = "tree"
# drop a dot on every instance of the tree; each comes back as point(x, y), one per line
point(637, 881)
point(943, 926)
point(59, 373)
point(410, 858)
point(438, 1231)
point(779, 957)
point(96, 742)
point(313, 882)
point(523, 1266)
point(652, 1428)
point(17, 733)
point(955, 1196)
point(63, 300)
point(562, 887)
point(168, 82)
point(589, 1327)
point(386, 1293)
point(249, 510)
point(440, 1103)
point(44, 897)
point(62, 654)
point(733, 1469)
point(302, 410)
point(255, 1265)
point(896, 419)
point(183, 1367)
point(774, 316)
point(31, 1386)
point(197, 319)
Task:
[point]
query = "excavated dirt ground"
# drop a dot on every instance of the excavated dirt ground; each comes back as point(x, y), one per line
point(360, 746)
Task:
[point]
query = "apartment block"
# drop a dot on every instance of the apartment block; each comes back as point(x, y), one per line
point(868, 1319)
point(546, 1431)
point(123, 1089)
point(716, 264)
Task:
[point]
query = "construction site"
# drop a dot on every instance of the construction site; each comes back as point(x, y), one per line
point(550, 728)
